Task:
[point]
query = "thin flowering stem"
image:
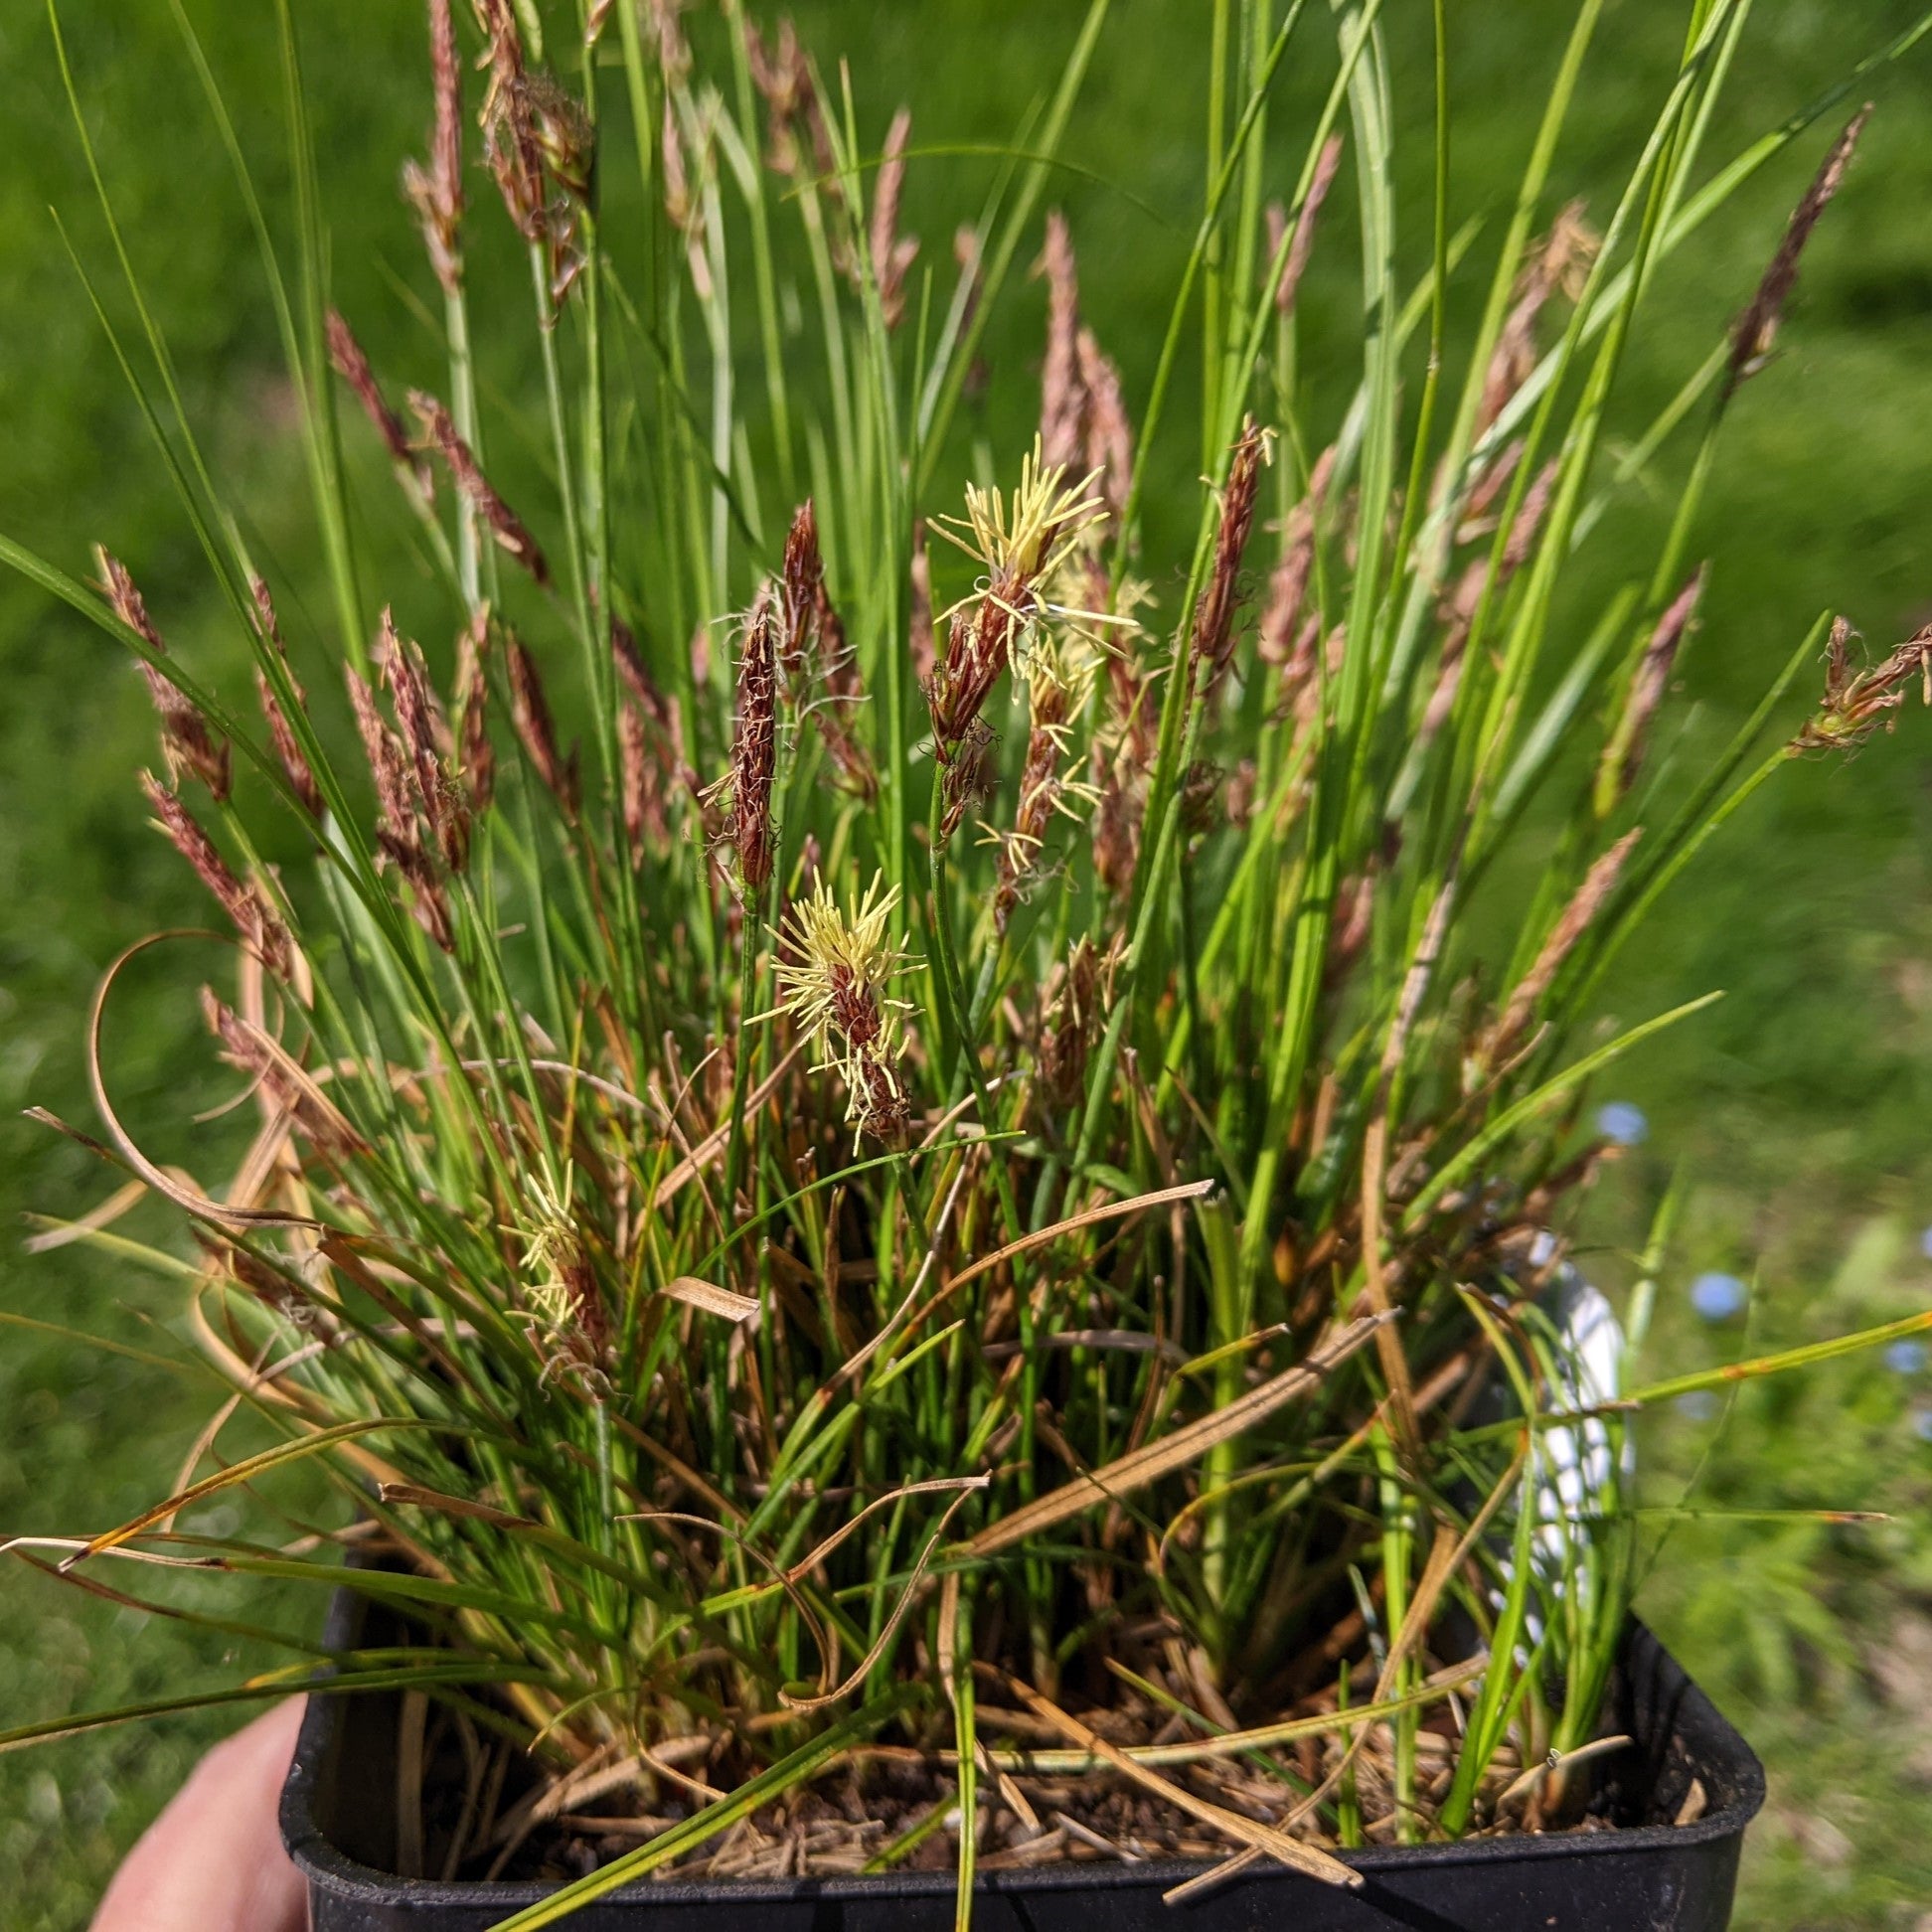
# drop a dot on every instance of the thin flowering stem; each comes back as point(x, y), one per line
point(744, 1040)
point(960, 1041)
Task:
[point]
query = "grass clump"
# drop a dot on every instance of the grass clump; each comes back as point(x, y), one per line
point(895, 1138)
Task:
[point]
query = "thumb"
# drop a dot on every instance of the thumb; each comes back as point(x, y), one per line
point(213, 1861)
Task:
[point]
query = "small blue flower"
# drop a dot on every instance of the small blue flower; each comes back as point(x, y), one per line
point(1922, 1424)
point(1718, 1297)
point(1696, 1404)
point(1925, 1244)
point(1905, 1358)
point(1623, 1125)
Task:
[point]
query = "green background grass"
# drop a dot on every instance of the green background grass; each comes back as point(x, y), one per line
point(1797, 1108)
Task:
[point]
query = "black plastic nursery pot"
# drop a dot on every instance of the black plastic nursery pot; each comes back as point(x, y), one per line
point(338, 1819)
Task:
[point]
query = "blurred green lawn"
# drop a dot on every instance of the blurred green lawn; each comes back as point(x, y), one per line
point(1798, 1108)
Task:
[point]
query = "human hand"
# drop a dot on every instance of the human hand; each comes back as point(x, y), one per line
point(213, 1861)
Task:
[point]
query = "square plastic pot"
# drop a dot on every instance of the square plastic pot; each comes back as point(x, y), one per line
point(337, 1819)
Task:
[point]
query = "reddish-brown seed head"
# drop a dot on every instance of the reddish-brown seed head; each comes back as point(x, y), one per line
point(801, 583)
point(1084, 424)
point(1071, 1025)
point(1857, 703)
point(1757, 327)
point(313, 1115)
point(439, 432)
point(1040, 788)
point(1528, 519)
point(642, 801)
point(509, 143)
point(288, 750)
point(1281, 619)
point(421, 719)
point(631, 667)
point(402, 669)
point(399, 836)
point(754, 749)
point(531, 715)
point(438, 189)
point(1062, 397)
point(1555, 266)
point(475, 754)
point(587, 1302)
point(891, 252)
point(1108, 435)
point(1572, 923)
point(188, 744)
point(1295, 263)
point(247, 905)
point(352, 365)
point(1648, 685)
point(388, 768)
point(779, 73)
point(1213, 627)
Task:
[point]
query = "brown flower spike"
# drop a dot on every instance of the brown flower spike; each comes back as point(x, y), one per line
point(892, 254)
point(280, 1078)
point(1213, 627)
point(530, 712)
point(187, 743)
point(1572, 923)
point(1082, 416)
point(509, 143)
point(439, 432)
point(398, 835)
point(754, 750)
point(1757, 327)
point(1558, 266)
point(352, 365)
point(437, 190)
point(1622, 755)
point(1281, 618)
point(476, 755)
point(801, 583)
point(1059, 678)
point(843, 691)
point(281, 733)
point(1061, 399)
point(823, 684)
point(1072, 1024)
point(247, 905)
point(1857, 703)
point(1294, 264)
point(421, 719)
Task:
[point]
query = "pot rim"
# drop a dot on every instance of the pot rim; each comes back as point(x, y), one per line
point(1695, 1720)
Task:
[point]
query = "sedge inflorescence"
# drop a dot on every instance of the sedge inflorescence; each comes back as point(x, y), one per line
point(833, 973)
point(868, 1317)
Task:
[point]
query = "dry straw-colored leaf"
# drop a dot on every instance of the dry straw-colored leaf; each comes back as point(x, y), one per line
point(713, 1300)
point(1175, 1451)
point(1247, 1832)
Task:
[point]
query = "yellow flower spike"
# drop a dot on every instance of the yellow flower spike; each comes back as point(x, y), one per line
point(1035, 532)
point(833, 985)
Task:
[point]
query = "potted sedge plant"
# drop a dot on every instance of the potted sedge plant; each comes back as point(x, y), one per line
point(898, 1172)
